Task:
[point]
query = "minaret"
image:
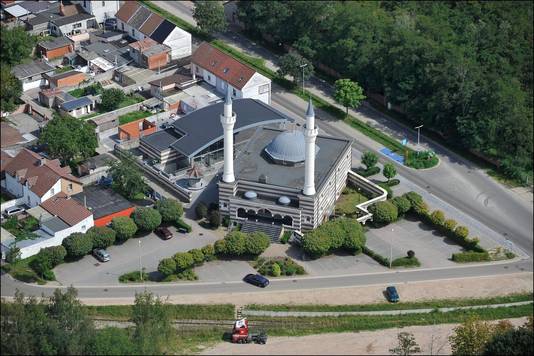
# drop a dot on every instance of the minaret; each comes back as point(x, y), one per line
point(228, 121)
point(310, 133)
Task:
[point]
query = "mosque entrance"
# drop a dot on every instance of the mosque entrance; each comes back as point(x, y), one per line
point(264, 216)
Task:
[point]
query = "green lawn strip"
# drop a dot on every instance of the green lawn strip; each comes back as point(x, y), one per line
point(78, 92)
point(91, 115)
point(297, 326)
point(22, 271)
point(130, 100)
point(346, 204)
point(176, 311)
point(440, 303)
point(132, 116)
point(192, 342)
point(64, 69)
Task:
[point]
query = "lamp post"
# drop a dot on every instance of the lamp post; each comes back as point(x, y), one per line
point(140, 269)
point(418, 128)
point(303, 66)
point(390, 249)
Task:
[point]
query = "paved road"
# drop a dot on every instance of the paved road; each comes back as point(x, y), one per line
point(456, 181)
point(307, 283)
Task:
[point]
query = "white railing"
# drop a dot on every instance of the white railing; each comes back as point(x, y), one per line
point(370, 187)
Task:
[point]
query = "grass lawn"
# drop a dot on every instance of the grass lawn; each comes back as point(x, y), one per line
point(176, 311)
point(22, 271)
point(438, 303)
point(64, 69)
point(93, 114)
point(132, 116)
point(130, 100)
point(349, 198)
point(23, 229)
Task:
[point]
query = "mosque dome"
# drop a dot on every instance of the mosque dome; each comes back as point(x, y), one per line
point(288, 147)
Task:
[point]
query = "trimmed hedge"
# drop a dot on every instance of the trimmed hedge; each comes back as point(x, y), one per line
point(368, 172)
point(405, 262)
point(384, 261)
point(237, 243)
point(77, 244)
point(387, 188)
point(384, 212)
point(102, 236)
point(470, 256)
point(403, 205)
point(182, 224)
point(341, 233)
point(286, 267)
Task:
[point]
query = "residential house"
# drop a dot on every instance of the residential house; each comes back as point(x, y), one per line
point(136, 129)
point(67, 79)
point(31, 75)
point(221, 70)
point(12, 139)
point(140, 23)
point(101, 10)
point(149, 54)
point(52, 98)
point(78, 107)
point(94, 168)
point(73, 20)
point(170, 85)
point(36, 179)
point(104, 204)
point(56, 48)
point(109, 56)
point(5, 158)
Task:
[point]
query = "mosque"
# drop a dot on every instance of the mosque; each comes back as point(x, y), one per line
point(288, 178)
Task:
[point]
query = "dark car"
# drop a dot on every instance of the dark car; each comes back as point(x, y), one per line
point(257, 280)
point(392, 295)
point(164, 233)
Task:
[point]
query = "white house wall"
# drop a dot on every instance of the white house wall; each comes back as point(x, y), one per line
point(31, 85)
point(30, 198)
point(100, 12)
point(254, 85)
point(180, 43)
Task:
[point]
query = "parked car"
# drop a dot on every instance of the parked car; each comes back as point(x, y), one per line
point(14, 210)
point(182, 230)
point(256, 279)
point(392, 295)
point(163, 232)
point(101, 255)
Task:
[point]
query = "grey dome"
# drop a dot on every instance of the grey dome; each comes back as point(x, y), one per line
point(289, 146)
point(283, 200)
point(250, 195)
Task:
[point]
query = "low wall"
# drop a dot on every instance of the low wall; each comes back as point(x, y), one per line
point(36, 245)
point(95, 176)
point(369, 188)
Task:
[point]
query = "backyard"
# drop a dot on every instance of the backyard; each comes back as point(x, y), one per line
point(21, 229)
point(132, 116)
point(346, 204)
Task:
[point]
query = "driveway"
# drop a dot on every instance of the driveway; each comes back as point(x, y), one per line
point(125, 258)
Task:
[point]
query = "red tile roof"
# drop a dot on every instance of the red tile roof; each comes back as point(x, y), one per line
point(40, 173)
point(4, 160)
point(222, 65)
point(127, 10)
point(67, 209)
point(143, 45)
point(151, 24)
point(9, 135)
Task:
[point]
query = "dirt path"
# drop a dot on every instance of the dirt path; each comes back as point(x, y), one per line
point(477, 287)
point(432, 340)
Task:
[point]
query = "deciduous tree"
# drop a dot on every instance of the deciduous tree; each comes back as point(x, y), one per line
point(209, 16)
point(127, 178)
point(295, 65)
point(124, 226)
point(348, 93)
point(16, 45)
point(10, 89)
point(406, 345)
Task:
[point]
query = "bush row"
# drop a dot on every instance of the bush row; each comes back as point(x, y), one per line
point(341, 233)
point(470, 256)
point(405, 262)
point(279, 266)
point(184, 261)
point(369, 171)
point(237, 243)
point(384, 261)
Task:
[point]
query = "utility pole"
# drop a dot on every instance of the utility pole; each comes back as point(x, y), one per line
point(418, 128)
point(303, 66)
point(140, 268)
point(390, 249)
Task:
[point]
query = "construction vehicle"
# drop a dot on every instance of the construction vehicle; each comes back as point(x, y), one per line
point(241, 334)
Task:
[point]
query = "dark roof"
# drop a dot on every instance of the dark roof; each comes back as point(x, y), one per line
point(175, 78)
point(109, 51)
point(55, 43)
point(127, 10)
point(76, 104)
point(151, 24)
point(251, 163)
point(63, 75)
point(102, 202)
point(42, 18)
point(164, 29)
point(222, 65)
point(36, 7)
point(62, 21)
point(139, 18)
point(22, 71)
point(202, 127)
point(55, 224)
point(97, 161)
point(161, 140)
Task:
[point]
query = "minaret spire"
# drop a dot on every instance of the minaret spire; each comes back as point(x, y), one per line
point(310, 134)
point(228, 119)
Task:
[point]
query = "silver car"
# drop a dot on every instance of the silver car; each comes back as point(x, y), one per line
point(101, 255)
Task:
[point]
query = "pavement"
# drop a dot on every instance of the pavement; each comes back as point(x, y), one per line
point(456, 181)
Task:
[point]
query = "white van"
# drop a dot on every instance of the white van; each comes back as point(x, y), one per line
point(14, 210)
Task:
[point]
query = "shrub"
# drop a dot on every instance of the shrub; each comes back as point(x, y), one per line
point(226, 221)
point(335, 234)
point(276, 270)
point(393, 182)
point(49, 275)
point(375, 256)
point(170, 209)
point(386, 187)
point(184, 260)
point(209, 253)
point(449, 225)
point(256, 243)
point(369, 159)
point(384, 212)
point(187, 275)
point(124, 226)
point(287, 266)
point(405, 262)
point(369, 172)
point(420, 209)
point(198, 256)
point(13, 255)
point(461, 232)
point(220, 247)
point(41, 263)
point(316, 244)
point(134, 276)
point(413, 197)
point(285, 237)
point(235, 243)
point(354, 235)
point(54, 254)
point(214, 218)
point(77, 244)
point(389, 171)
point(167, 266)
point(403, 204)
point(470, 256)
point(101, 236)
point(182, 224)
point(201, 210)
point(146, 219)
point(437, 218)
point(410, 253)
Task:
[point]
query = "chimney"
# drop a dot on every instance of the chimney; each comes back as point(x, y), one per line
point(85, 201)
point(42, 161)
point(61, 8)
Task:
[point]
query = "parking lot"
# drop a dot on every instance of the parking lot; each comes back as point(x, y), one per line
point(125, 257)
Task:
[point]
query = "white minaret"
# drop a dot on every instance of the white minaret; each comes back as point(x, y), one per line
point(228, 121)
point(310, 133)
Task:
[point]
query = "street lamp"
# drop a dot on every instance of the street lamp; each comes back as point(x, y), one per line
point(303, 66)
point(418, 128)
point(140, 269)
point(390, 249)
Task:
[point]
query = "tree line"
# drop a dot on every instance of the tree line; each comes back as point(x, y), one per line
point(463, 69)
